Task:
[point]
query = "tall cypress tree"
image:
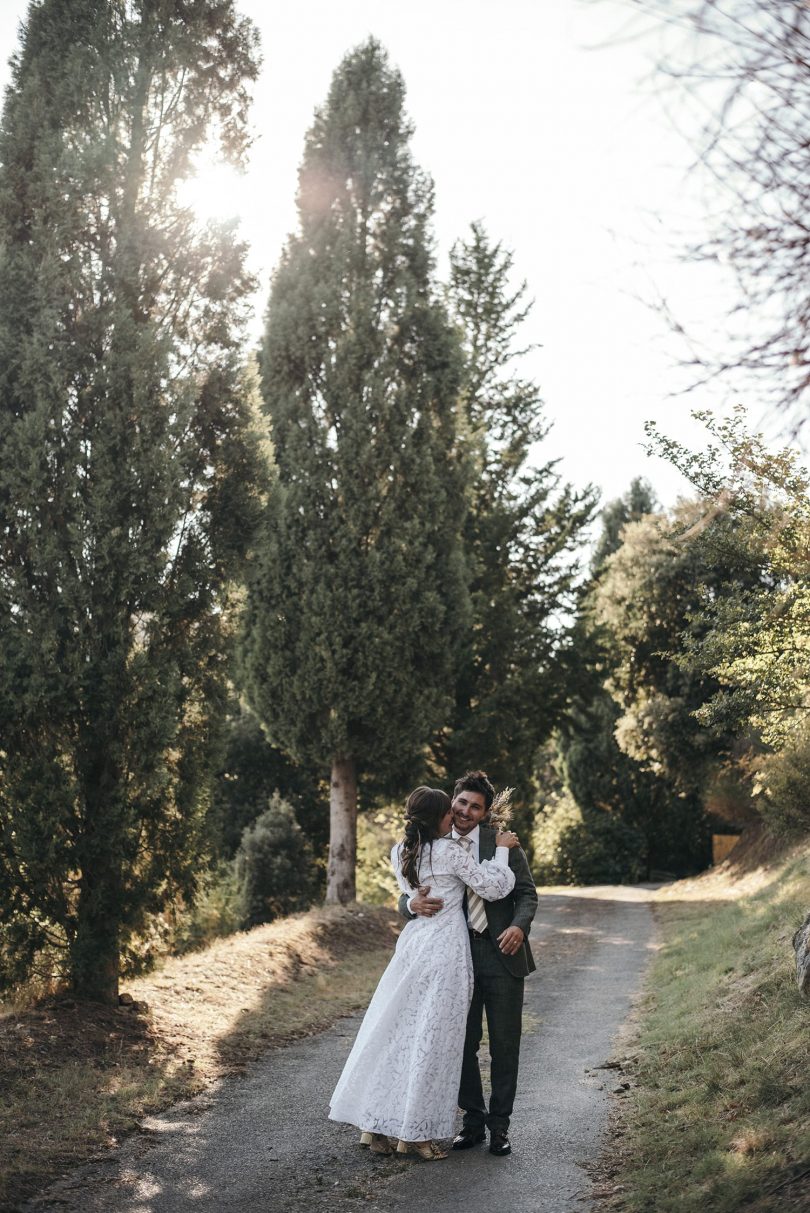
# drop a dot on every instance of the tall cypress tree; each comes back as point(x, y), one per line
point(358, 593)
point(522, 529)
point(126, 464)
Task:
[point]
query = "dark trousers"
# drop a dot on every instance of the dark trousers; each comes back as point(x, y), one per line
point(500, 994)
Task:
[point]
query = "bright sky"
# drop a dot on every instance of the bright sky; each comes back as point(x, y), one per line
point(567, 155)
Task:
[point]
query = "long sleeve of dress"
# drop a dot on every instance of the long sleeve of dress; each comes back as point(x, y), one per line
point(490, 879)
point(407, 889)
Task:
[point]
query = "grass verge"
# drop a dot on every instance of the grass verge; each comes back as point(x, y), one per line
point(77, 1077)
point(717, 1117)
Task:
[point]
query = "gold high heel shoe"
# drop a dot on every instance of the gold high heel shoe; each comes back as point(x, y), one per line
point(378, 1143)
point(426, 1150)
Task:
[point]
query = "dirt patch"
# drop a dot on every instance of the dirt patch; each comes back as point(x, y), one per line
point(60, 1030)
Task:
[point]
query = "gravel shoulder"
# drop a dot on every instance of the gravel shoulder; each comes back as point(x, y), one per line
point(261, 1143)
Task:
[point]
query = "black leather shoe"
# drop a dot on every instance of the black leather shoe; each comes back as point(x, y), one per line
point(467, 1138)
point(499, 1142)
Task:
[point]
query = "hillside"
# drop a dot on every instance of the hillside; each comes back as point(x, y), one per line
point(717, 1115)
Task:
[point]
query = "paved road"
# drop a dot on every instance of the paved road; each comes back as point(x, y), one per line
point(262, 1144)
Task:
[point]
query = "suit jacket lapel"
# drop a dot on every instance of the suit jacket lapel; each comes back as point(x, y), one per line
point(486, 843)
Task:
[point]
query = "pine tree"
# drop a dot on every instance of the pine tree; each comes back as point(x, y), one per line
point(126, 464)
point(358, 592)
point(522, 529)
point(636, 502)
point(274, 865)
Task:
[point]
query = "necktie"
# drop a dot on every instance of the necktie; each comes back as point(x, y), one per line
point(476, 914)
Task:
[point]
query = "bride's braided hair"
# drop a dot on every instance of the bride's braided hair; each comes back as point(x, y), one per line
point(424, 810)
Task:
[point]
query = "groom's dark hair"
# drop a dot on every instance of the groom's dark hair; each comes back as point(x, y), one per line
point(476, 781)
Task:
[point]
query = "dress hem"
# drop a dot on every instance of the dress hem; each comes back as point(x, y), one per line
point(390, 1129)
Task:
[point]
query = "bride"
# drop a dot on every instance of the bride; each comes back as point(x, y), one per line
point(401, 1078)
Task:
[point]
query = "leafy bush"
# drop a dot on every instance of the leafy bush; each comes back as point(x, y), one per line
point(275, 866)
point(572, 847)
point(218, 910)
point(376, 834)
point(32, 957)
point(784, 802)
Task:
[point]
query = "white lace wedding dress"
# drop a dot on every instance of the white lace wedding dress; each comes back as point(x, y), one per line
point(401, 1077)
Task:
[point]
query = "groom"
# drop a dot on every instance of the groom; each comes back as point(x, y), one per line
point(501, 959)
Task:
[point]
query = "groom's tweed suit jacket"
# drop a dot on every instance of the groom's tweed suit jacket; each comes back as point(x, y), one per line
point(516, 909)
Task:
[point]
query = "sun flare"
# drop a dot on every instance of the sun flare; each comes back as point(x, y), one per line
point(214, 191)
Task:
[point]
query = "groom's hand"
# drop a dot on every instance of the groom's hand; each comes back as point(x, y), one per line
point(423, 905)
point(510, 940)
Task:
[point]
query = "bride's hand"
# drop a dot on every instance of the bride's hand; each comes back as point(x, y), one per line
point(507, 838)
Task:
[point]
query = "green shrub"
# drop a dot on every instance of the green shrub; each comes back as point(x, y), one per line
point(275, 866)
point(32, 957)
point(784, 802)
point(217, 910)
point(572, 847)
point(376, 834)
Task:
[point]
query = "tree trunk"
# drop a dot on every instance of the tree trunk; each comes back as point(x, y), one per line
point(94, 950)
point(340, 877)
point(96, 945)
